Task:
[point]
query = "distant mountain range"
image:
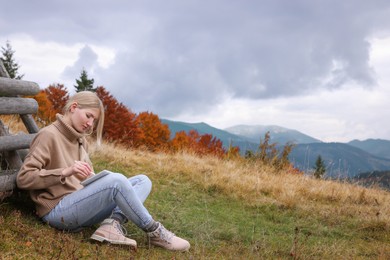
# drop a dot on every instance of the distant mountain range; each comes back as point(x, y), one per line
point(343, 160)
point(278, 134)
point(226, 137)
point(378, 147)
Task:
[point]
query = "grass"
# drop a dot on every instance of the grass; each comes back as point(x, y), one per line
point(226, 209)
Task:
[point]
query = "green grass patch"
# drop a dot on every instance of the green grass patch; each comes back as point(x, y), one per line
point(217, 226)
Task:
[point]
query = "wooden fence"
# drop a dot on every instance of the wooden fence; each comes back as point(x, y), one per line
point(13, 147)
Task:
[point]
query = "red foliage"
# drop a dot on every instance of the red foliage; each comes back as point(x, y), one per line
point(233, 152)
point(180, 142)
point(44, 113)
point(120, 124)
point(292, 170)
point(200, 144)
point(58, 95)
point(155, 135)
point(126, 128)
point(208, 144)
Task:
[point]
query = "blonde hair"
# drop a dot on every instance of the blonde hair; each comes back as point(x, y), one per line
point(88, 99)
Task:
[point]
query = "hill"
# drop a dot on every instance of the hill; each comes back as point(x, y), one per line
point(227, 138)
point(377, 147)
point(244, 136)
point(341, 160)
point(227, 209)
point(280, 135)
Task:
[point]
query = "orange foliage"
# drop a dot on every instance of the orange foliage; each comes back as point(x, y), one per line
point(233, 152)
point(155, 135)
point(126, 128)
point(44, 112)
point(120, 124)
point(180, 142)
point(200, 144)
point(58, 95)
point(211, 145)
point(293, 170)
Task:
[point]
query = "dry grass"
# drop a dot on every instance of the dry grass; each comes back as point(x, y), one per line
point(13, 123)
point(258, 184)
point(255, 183)
point(227, 209)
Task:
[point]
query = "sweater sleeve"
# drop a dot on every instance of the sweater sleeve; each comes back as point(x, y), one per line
point(33, 174)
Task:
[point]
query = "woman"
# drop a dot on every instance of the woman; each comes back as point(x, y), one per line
point(58, 162)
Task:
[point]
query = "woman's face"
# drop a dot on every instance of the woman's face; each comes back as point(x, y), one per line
point(83, 119)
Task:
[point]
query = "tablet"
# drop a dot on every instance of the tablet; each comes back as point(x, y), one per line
point(94, 178)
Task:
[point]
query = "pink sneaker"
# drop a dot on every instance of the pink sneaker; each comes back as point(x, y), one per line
point(111, 231)
point(166, 239)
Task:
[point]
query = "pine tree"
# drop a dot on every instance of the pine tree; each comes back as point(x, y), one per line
point(84, 83)
point(9, 62)
point(319, 168)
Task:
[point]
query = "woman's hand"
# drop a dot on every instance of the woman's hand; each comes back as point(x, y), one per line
point(79, 167)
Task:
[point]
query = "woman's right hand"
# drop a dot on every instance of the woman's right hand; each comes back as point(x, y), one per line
point(79, 167)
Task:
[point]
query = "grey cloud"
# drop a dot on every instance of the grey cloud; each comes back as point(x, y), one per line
point(182, 55)
point(87, 60)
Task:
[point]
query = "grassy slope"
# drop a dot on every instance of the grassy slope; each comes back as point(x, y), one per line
point(226, 209)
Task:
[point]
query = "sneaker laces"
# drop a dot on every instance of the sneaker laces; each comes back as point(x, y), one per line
point(120, 228)
point(165, 234)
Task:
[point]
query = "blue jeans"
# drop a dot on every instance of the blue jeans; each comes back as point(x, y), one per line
point(111, 194)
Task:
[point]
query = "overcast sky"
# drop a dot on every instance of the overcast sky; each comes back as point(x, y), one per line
point(320, 67)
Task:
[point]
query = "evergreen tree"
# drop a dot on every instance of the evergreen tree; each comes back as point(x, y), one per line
point(84, 83)
point(319, 168)
point(9, 62)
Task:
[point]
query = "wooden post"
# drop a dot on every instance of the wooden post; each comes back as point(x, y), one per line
point(13, 164)
point(14, 105)
point(15, 142)
point(30, 124)
point(14, 87)
point(12, 145)
point(10, 87)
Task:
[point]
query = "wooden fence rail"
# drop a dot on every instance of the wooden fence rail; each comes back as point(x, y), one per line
point(13, 147)
point(14, 87)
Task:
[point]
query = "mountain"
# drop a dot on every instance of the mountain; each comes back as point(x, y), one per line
point(278, 134)
point(378, 147)
point(341, 160)
point(203, 128)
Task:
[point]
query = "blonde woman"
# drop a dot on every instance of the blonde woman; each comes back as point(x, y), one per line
point(57, 164)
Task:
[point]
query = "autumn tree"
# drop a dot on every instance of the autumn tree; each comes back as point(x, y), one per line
point(50, 102)
point(9, 62)
point(84, 83)
point(44, 112)
point(233, 152)
point(199, 144)
point(58, 95)
point(180, 142)
point(120, 124)
point(193, 137)
point(155, 135)
point(208, 144)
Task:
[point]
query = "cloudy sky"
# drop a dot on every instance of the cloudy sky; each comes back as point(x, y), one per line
point(320, 67)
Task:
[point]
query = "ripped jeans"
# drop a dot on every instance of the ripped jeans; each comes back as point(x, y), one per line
point(111, 194)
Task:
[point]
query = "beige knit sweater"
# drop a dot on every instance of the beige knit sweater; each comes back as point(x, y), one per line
point(54, 148)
